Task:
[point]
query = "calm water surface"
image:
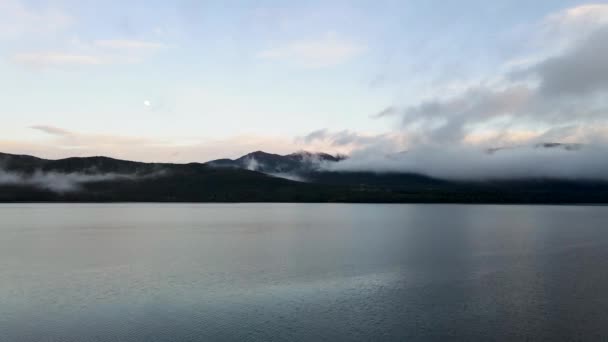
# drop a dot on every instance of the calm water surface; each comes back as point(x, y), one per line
point(302, 272)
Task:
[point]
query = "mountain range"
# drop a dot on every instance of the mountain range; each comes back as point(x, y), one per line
point(265, 177)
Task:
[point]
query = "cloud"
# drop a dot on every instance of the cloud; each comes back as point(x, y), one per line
point(575, 21)
point(320, 134)
point(544, 94)
point(465, 163)
point(128, 44)
point(388, 111)
point(289, 176)
point(450, 120)
point(17, 20)
point(325, 52)
point(52, 130)
point(57, 59)
point(558, 33)
point(352, 143)
point(339, 138)
point(83, 141)
point(555, 95)
point(581, 70)
point(98, 52)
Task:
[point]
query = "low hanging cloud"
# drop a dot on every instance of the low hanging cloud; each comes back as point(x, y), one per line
point(467, 163)
point(253, 164)
point(60, 182)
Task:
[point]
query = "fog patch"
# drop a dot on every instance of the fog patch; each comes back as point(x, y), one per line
point(252, 164)
point(308, 162)
point(289, 176)
point(64, 182)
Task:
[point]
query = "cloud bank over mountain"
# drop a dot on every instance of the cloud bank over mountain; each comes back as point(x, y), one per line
point(557, 97)
point(469, 164)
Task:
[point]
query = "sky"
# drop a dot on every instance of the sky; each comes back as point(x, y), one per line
point(186, 80)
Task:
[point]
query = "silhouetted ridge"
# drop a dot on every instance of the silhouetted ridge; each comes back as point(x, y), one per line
point(255, 177)
point(298, 162)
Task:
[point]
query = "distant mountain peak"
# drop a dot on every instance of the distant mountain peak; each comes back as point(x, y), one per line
point(261, 153)
point(294, 163)
point(318, 155)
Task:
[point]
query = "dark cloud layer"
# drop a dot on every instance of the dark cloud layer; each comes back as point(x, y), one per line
point(580, 71)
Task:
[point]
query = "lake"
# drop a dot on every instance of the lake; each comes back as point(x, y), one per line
point(302, 272)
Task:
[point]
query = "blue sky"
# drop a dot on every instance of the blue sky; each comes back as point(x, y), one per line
point(194, 80)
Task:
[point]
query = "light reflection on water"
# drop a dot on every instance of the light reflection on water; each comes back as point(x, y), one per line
point(190, 272)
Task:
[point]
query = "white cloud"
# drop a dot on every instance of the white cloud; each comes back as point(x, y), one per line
point(16, 20)
point(112, 51)
point(557, 33)
point(57, 59)
point(465, 163)
point(128, 44)
point(328, 51)
point(584, 17)
point(564, 28)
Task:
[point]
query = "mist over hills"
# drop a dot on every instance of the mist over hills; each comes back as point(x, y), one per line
point(266, 177)
point(278, 164)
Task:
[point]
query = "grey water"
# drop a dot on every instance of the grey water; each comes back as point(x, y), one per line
point(302, 272)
